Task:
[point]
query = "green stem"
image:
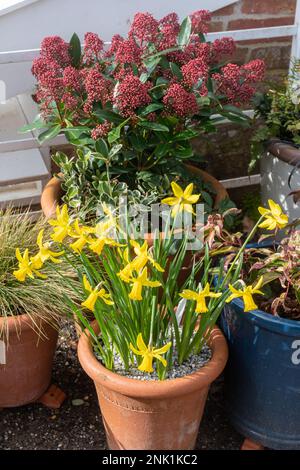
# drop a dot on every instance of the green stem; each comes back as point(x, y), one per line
point(241, 251)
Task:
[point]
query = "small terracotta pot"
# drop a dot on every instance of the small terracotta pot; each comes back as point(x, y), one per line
point(52, 192)
point(152, 415)
point(26, 374)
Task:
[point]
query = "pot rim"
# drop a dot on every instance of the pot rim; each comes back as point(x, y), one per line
point(154, 389)
point(268, 321)
point(20, 323)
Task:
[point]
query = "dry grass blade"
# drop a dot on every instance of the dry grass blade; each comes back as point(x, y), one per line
point(40, 299)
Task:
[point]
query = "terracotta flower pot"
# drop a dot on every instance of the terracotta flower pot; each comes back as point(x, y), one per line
point(152, 415)
point(52, 192)
point(28, 356)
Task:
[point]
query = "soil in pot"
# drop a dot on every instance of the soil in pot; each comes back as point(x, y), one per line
point(26, 365)
point(152, 415)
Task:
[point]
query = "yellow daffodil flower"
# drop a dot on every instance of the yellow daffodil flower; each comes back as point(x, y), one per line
point(182, 200)
point(111, 220)
point(138, 283)
point(142, 256)
point(200, 297)
point(246, 293)
point(274, 217)
point(61, 224)
point(95, 294)
point(140, 261)
point(97, 244)
point(44, 252)
point(82, 235)
point(27, 267)
point(149, 353)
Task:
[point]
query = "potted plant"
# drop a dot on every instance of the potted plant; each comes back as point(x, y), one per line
point(133, 109)
point(262, 377)
point(29, 312)
point(153, 349)
point(277, 142)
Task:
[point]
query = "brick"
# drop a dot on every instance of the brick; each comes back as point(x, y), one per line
point(269, 6)
point(282, 41)
point(249, 23)
point(275, 57)
point(226, 11)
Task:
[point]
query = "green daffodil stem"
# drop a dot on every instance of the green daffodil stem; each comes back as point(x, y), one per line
point(153, 307)
point(237, 256)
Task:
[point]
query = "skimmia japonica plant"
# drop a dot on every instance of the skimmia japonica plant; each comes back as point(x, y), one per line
point(144, 312)
point(133, 107)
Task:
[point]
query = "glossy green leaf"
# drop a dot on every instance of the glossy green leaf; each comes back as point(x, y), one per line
point(185, 32)
point(176, 70)
point(155, 126)
point(75, 50)
point(49, 134)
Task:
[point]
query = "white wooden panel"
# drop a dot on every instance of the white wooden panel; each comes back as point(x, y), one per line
point(241, 181)
point(256, 33)
point(21, 166)
point(11, 120)
point(21, 194)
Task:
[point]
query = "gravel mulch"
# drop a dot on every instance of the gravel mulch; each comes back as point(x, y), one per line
point(78, 425)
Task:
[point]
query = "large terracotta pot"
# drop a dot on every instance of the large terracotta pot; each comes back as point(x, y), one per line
point(152, 415)
point(52, 192)
point(28, 356)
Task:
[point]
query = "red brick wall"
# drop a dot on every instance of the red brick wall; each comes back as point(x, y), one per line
point(246, 14)
point(228, 151)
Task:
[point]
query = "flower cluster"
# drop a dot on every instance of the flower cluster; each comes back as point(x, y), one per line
point(181, 102)
point(131, 94)
point(100, 71)
point(237, 82)
point(93, 47)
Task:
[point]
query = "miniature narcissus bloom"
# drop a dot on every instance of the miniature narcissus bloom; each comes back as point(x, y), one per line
point(247, 294)
point(274, 217)
point(27, 267)
point(102, 230)
point(141, 259)
point(143, 255)
point(61, 224)
point(44, 252)
point(200, 297)
point(95, 294)
point(149, 353)
point(137, 282)
point(182, 200)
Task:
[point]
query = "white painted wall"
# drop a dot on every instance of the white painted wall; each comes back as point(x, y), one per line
point(24, 23)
